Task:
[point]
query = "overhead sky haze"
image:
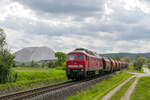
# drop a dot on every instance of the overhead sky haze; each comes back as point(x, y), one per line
point(105, 26)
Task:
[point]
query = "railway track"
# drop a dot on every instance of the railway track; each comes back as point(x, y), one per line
point(42, 90)
point(37, 91)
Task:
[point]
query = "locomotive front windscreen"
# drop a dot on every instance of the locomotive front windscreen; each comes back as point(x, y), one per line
point(79, 57)
point(71, 57)
point(75, 60)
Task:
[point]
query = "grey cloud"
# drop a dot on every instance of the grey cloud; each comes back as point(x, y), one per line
point(128, 25)
point(127, 16)
point(29, 26)
point(42, 28)
point(77, 8)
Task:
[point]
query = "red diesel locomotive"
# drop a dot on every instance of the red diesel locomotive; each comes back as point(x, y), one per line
point(83, 63)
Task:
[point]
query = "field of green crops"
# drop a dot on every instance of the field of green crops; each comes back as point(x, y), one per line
point(29, 78)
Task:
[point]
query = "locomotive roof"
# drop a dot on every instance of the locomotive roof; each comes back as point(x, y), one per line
point(87, 52)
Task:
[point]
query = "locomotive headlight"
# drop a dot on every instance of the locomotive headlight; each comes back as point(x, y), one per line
point(72, 66)
point(80, 65)
point(75, 66)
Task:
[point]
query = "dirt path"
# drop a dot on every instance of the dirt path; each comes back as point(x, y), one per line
point(111, 93)
point(130, 89)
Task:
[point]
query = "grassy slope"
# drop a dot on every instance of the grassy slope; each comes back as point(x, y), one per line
point(29, 78)
point(99, 90)
point(122, 91)
point(142, 90)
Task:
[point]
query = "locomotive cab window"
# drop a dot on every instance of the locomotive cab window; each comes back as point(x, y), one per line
point(85, 57)
point(79, 57)
point(71, 57)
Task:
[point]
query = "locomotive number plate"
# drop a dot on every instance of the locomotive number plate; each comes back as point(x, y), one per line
point(75, 65)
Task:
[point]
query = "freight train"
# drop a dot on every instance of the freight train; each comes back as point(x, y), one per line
point(83, 63)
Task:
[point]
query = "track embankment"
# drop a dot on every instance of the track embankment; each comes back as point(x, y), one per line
point(56, 91)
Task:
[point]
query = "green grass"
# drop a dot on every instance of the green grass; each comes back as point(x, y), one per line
point(97, 91)
point(131, 69)
point(142, 89)
point(29, 78)
point(122, 91)
point(31, 69)
point(148, 67)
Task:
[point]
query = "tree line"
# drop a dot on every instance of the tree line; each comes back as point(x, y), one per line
point(60, 62)
point(137, 63)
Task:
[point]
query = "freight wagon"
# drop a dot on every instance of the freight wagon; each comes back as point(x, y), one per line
point(83, 63)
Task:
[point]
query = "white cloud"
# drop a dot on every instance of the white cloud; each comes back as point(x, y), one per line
point(103, 26)
point(15, 9)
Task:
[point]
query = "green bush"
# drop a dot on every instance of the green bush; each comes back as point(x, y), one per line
point(51, 64)
point(6, 61)
point(132, 69)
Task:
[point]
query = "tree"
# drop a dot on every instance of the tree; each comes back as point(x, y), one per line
point(22, 64)
point(2, 38)
point(116, 58)
point(138, 63)
point(6, 61)
point(137, 57)
point(33, 63)
point(61, 58)
point(148, 63)
point(126, 59)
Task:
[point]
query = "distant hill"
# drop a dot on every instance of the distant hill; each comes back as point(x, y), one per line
point(131, 55)
point(34, 53)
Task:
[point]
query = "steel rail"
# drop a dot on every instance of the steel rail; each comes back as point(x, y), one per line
point(37, 91)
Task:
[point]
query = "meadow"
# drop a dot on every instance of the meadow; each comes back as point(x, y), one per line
point(142, 89)
point(29, 78)
point(33, 77)
point(97, 91)
point(131, 69)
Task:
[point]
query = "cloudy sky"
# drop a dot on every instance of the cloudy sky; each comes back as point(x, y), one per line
point(105, 26)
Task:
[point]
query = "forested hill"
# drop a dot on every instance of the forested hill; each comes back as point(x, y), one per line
point(121, 55)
